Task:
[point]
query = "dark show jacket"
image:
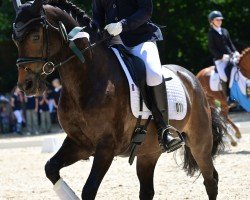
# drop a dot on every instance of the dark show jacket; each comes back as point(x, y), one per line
point(133, 14)
point(220, 44)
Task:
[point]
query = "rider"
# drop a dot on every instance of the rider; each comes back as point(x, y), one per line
point(220, 45)
point(129, 23)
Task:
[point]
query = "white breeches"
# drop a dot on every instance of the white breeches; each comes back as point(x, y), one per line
point(18, 115)
point(221, 66)
point(148, 52)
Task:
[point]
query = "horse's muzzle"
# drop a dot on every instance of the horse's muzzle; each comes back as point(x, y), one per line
point(27, 86)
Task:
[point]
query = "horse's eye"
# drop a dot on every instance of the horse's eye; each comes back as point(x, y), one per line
point(35, 37)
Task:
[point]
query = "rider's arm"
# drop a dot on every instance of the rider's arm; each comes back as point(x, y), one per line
point(232, 47)
point(98, 13)
point(141, 16)
point(212, 47)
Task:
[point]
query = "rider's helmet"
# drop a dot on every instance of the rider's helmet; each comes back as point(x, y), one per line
point(215, 14)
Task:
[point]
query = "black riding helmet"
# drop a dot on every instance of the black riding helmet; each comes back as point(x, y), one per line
point(215, 14)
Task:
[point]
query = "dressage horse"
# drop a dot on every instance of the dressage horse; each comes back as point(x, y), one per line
point(94, 108)
point(204, 78)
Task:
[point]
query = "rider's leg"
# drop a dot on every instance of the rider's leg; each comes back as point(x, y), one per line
point(148, 52)
point(160, 112)
point(221, 66)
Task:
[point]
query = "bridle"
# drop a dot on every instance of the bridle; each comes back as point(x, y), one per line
point(50, 63)
point(19, 33)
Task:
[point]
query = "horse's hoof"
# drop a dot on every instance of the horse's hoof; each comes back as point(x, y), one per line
point(234, 144)
point(238, 135)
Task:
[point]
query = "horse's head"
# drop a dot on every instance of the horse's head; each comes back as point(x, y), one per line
point(41, 39)
point(244, 63)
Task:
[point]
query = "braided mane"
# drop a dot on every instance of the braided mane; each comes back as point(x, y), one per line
point(246, 51)
point(77, 13)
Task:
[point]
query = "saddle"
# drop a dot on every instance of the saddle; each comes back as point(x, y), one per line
point(137, 70)
point(215, 81)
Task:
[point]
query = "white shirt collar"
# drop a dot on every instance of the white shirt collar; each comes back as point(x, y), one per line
point(218, 29)
point(57, 89)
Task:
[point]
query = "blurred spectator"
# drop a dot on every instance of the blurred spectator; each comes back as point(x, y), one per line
point(44, 112)
point(31, 105)
point(51, 101)
point(6, 116)
point(16, 101)
point(56, 95)
point(5, 119)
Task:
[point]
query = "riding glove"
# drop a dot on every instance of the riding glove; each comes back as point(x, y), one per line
point(236, 53)
point(236, 57)
point(114, 28)
point(225, 57)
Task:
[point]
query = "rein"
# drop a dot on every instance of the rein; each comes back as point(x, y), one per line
point(49, 65)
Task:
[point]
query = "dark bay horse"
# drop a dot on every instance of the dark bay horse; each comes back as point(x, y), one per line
point(94, 108)
point(204, 77)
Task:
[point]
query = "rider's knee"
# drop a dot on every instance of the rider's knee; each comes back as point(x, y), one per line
point(155, 78)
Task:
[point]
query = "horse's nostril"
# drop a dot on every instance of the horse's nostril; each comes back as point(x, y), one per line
point(28, 84)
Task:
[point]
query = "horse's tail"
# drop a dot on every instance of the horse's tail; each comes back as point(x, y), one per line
point(218, 130)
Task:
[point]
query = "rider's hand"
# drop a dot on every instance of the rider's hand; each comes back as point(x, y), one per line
point(114, 28)
point(225, 57)
point(236, 53)
point(236, 57)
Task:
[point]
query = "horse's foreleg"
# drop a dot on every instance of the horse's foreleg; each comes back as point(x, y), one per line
point(224, 112)
point(145, 172)
point(103, 158)
point(68, 154)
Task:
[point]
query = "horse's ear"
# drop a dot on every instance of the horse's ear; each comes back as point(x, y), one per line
point(17, 4)
point(37, 6)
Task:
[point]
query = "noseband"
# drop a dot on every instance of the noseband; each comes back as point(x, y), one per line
point(50, 63)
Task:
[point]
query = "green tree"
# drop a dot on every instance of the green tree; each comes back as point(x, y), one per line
point(185, 35)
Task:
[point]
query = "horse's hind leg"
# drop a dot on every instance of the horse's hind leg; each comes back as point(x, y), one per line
point(201, 152)
point(200, 142)
point(237, 131)
point(145, 172)
point(224, 113)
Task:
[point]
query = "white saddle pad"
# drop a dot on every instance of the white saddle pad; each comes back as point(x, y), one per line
point(214, 82)
point(177, 101)
point(241, 80)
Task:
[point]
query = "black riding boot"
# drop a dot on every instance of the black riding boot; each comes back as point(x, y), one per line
point(225, 88)
point(159, 110)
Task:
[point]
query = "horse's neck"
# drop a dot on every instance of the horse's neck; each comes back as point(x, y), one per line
point(244, 63)
point(245, 69)
point(78, 78)
point(245, 72)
